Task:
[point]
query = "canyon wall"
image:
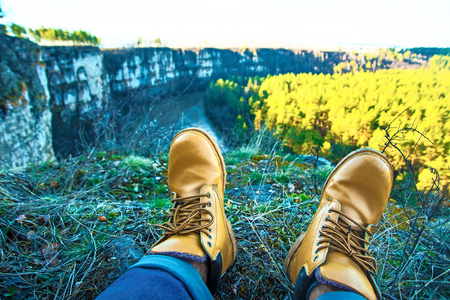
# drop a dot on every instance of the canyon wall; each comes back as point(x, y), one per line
point(79, 90)
point(25, 115)
point(173, 70)
point(51, 97)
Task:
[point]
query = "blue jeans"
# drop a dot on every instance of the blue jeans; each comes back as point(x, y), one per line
point(166, 278)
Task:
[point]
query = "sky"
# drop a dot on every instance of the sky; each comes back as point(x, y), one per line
point(250, 23)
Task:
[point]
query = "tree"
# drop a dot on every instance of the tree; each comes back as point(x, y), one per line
point(18, 30)
point(36, 34)
point(96, 41)
point(407, 55)
point(51, 34)
point(348, 110)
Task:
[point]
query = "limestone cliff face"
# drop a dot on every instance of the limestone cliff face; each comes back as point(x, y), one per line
point(159, 70)
point(25, 116)
point(153, 69)
point(78, 91)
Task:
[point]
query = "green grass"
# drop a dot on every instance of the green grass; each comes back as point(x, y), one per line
point(81, 205)
point(138, 164)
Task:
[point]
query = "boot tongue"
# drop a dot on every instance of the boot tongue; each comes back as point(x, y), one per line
point(341, 271)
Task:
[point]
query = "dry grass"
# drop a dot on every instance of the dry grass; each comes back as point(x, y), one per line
point(59, 220)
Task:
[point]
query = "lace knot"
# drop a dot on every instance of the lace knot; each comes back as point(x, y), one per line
point(187, 215)
point(351, 253)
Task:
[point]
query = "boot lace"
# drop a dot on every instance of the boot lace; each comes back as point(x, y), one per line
point(185, 216)
point(348, 240)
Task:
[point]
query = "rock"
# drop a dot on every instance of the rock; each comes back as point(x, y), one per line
point(311, 159)
point(124, 252)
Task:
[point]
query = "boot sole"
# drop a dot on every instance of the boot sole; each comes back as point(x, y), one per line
point(298, 242)
point(232, 240)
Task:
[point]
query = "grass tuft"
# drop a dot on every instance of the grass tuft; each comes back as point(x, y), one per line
point(138, 164)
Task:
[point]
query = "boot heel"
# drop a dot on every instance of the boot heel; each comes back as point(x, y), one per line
point(232, 240)
point(293, 251)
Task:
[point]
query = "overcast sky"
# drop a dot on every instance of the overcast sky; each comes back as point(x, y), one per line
point(254, 23)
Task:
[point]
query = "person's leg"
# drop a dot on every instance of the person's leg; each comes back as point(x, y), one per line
point(341, 295)
point(331, 259)
point(198, 243)
point(158, 277)
point(328, 292)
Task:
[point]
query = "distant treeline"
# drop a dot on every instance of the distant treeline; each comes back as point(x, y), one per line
point(78, 37)
point(375, 61)
point(342, 112)
point(429, 52)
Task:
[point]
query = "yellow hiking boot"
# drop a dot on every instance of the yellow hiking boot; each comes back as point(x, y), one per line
point(197, 229)
point(334, 248)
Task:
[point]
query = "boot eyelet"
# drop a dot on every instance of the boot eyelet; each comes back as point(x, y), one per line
point(318, 243)
point(327, 219)
point(209, 244)
point(209, 203)
point(329, 211)
point(208, 195)
point(209, 229)
point(315, 252)
point(315, 258)
point(209, 236)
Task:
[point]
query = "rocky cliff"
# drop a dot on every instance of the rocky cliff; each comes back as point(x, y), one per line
point(165, 69)
point(50, 97)
point(79, 89)
point(25, 115)
point(154, 69)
